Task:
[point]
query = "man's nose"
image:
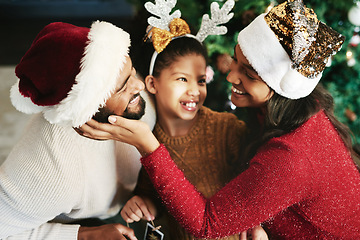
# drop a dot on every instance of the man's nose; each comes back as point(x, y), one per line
point(135, 85)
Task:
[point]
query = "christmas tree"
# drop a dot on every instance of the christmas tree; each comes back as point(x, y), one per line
point(341, 77)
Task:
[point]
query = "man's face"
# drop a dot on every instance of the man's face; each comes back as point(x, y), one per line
point(125, 101)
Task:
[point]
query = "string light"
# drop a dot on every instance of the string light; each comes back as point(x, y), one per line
point(354, 14)
point(350, 58)
point(354, 18)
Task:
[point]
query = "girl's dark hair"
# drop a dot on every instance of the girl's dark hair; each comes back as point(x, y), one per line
point(284, 115)
point(178, 47)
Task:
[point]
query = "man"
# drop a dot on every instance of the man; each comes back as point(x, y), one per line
point(54, 176)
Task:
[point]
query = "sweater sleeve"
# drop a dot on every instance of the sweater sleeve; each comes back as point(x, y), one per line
point(54, 231)
point(26, 210)
point(271, 184)
point(36, 186)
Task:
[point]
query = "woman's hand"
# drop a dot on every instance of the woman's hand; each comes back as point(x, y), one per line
point(134, 132)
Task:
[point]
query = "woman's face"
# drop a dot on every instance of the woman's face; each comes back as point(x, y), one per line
point(248, 89)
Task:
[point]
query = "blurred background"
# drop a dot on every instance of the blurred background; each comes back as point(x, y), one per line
point(21, 20)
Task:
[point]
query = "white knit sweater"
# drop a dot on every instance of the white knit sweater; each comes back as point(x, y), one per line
point(53, 176)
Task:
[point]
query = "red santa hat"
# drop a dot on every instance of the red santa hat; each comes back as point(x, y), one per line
point(289, 48)
point(69, 72)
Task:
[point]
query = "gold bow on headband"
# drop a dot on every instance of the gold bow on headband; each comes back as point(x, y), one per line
point(161, 38)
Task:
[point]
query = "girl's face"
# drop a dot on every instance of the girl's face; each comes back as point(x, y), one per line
point(180, 90)
point(248, 89)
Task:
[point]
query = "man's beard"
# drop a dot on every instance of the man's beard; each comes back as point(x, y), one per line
point(104, 113)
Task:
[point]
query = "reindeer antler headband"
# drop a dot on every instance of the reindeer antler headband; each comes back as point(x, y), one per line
point(170, 26)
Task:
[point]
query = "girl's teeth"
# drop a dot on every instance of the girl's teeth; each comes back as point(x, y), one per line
point(191, 104)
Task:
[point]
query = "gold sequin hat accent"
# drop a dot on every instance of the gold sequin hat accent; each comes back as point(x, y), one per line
point(289, 48)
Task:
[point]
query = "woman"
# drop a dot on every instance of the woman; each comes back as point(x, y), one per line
point(302, 181)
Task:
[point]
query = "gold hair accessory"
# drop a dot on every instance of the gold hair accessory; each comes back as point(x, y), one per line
point(166, 26)
point(161, 38)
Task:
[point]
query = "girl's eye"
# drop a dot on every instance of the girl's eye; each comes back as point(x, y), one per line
point(202, 81)
point(182, 79)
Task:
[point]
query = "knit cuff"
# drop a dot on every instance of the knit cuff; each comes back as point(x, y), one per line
point(69, 231)
point(161, 150)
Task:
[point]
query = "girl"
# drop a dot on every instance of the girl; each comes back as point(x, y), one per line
point(203, 143)
point(302, 181)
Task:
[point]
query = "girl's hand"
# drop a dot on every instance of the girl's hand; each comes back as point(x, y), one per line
point(133, 132)
point(256, 233)
point(138, 208)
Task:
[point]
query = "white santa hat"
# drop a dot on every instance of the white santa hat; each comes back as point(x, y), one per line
point(289, 48)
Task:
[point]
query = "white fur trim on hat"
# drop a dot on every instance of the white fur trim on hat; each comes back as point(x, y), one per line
point(104, 58)
point(21, 103)
point(266, 55)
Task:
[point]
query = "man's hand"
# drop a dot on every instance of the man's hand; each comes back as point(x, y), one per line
point(108, 231)
point(138, 208)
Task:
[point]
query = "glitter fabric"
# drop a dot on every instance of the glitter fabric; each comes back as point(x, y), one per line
point(162, 9)
point(167, 21)
point(302, 185)
point(308, 42)
point(161, 38)
point(218, 16)
point(208, 168)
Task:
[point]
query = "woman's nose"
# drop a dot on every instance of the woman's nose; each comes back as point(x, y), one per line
point(233, 78)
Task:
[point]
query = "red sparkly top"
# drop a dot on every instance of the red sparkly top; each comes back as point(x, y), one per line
point(302, 185)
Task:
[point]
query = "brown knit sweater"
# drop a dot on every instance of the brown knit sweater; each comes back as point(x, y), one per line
point(207, 155)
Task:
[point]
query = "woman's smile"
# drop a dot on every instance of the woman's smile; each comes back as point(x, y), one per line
point(237, 91)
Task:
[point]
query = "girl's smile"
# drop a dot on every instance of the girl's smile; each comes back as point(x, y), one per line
point(189, 106)
point(180, 91)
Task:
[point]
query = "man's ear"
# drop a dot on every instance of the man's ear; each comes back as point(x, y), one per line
point(150, 84)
